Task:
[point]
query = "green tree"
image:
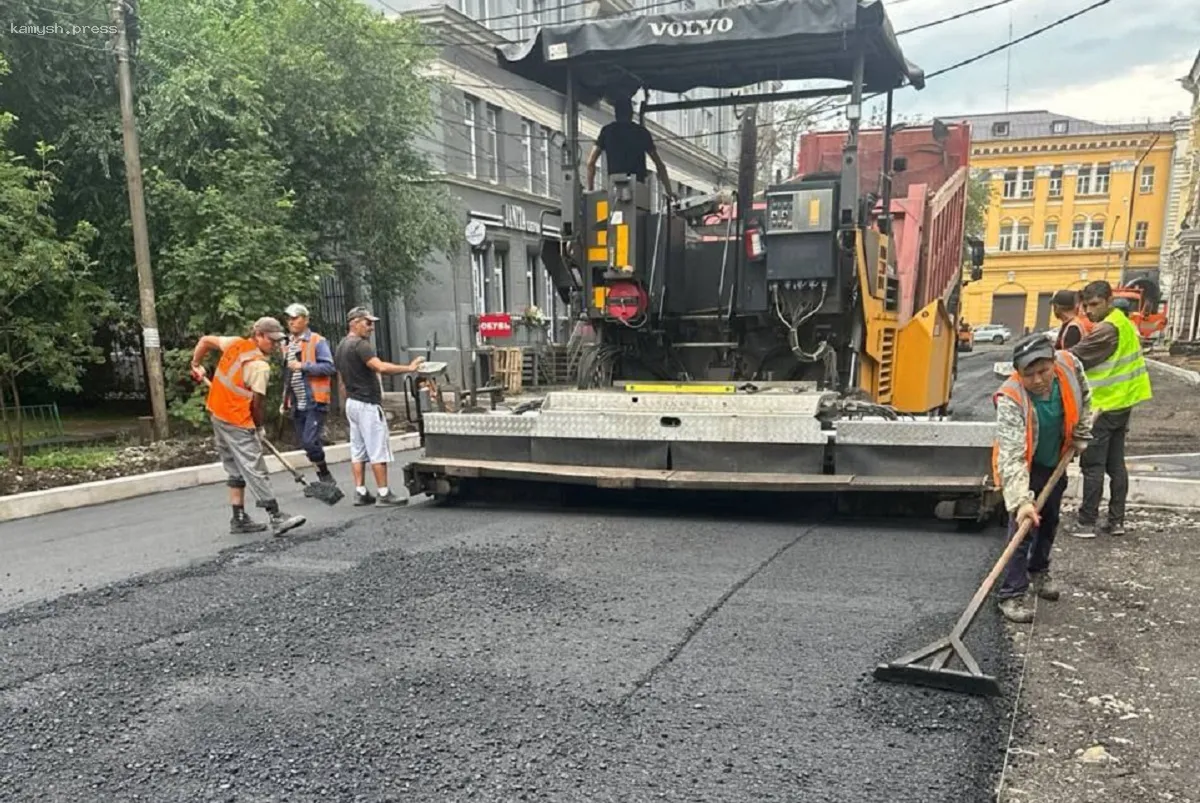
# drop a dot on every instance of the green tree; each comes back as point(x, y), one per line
point(979, 200)
point(49, 301)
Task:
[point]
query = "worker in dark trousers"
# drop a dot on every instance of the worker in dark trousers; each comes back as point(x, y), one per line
point(307, 384)
point(1116, 369)
point(1043, 410)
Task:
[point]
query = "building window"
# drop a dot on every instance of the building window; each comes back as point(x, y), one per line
point(532, 277)
point(1050, 239)
point(1059, 127)
point(1006, 235)
point(1079, 234)
point(478, 283)
point(527, 154)
point(1000, 129)
point(1096, 234)
point(1056, 182)
point(544, 143)
point(1141, 233)
point(492, 142)
point(1092, 179)
point(1022, 237)
point(537, 17)
point(541, 172)
point(470, 114)
point(519, 20)
point(499, 282)
point(1018, 183)
point(1147, 179)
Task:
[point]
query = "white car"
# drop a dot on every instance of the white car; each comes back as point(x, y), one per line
point(992, 333)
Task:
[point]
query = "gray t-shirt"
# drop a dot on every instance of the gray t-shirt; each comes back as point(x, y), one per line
point(350, 359)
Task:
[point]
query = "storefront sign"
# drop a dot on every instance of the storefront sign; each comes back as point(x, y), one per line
point(495, 324)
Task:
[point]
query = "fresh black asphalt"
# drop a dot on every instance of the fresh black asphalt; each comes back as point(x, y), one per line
point(438, 654)
point(491, 654)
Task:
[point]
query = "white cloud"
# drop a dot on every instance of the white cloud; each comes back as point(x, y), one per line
point(1148, 91)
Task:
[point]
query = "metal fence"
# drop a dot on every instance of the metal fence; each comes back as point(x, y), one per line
point(39, 422)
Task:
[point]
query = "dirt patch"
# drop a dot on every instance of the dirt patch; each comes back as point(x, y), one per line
point(175, 453)
point(126, 462)
point(1111, 700)
point(1170, 422)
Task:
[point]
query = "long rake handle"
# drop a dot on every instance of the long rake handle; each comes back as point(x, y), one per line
point(1014, 543)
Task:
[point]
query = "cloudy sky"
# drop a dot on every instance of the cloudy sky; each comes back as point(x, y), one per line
point(1119, 62)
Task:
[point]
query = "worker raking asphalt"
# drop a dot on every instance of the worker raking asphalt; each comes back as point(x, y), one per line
point(450, 654)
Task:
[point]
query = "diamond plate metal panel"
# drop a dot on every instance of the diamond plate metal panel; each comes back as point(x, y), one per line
point(916, 433)
point(693, 427)
point(799, 404)
point(470, 424)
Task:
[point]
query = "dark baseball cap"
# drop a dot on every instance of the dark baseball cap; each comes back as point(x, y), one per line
point(1030, 349)
point(270, 327)
point(360, 312)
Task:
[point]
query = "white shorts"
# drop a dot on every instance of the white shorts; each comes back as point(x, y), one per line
point(369, 437)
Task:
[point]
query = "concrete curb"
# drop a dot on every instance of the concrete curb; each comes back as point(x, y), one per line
point(1191, 377)
point(52, 500)
point(1148, 491)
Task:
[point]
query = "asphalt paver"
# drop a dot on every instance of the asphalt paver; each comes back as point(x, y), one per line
point(436, 653)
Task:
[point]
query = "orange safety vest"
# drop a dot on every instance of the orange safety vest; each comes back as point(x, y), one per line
point(321, 385)
point(1081, 322)
point(229, 397)
point(1072, 398)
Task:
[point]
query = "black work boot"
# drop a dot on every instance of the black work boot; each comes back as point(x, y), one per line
point(244, 525)
point(364, 498)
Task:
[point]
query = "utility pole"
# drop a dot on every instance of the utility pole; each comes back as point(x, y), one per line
point(151, 344)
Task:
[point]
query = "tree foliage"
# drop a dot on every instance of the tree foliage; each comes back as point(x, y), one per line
point(277, 141)
point(49, 300)
point(979, 200)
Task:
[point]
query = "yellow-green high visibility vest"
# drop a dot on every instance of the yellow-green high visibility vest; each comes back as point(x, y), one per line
point(1122, 380)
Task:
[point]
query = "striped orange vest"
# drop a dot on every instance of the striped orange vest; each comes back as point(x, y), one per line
point(229, 397)
point(1072, 398)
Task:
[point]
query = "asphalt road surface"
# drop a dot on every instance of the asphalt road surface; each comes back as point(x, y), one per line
point(438, 654)
point(976, 382)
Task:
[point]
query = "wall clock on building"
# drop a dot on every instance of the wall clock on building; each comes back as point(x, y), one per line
point(476, 233)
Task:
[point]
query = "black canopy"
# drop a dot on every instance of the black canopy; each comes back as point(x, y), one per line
point(723, 48)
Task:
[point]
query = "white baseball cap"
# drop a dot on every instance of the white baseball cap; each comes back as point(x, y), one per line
point(296, 311)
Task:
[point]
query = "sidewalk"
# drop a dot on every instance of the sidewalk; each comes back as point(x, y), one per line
point(72, 550)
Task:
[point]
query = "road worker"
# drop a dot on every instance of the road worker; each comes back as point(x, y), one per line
point(1112, 355)
point(237, 406)
point(1075, 324)
point(1042, 410)
point(307, 382)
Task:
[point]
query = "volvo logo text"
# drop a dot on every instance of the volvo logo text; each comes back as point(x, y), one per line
point(692, 27)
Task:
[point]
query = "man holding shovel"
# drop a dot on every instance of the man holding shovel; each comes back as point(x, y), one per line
point(237, 406)
point(307, 381)
point(1043, 411)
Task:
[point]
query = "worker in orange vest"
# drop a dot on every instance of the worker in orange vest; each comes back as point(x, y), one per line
point(1075, 324)
point(237, 407)
point(307, 383)
point(1043, 410)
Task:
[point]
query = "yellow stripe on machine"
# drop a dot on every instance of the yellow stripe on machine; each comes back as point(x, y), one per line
point(678, 387)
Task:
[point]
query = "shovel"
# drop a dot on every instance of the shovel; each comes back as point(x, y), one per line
point(329, 494)
point(324, 492)
point(970, 679)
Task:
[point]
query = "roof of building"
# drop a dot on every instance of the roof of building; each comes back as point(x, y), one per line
point(1041, 123)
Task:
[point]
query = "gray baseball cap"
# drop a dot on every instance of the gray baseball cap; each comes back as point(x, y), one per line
point(296, 311)
point(1030, 349)
point(270, 327)
point(360, 312)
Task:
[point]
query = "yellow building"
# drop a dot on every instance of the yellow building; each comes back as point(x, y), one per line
point(1072, 202)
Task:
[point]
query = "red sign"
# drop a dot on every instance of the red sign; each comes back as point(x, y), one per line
point(495, 324)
